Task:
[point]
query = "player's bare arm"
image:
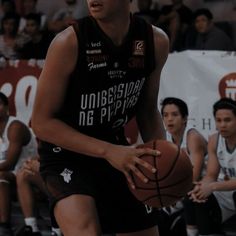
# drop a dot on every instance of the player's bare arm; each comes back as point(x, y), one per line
point(197, 147)
point(203, 188)
point(18, 136)
point(148, 117)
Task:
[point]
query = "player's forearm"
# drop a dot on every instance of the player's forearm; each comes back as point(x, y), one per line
point(208, 179)
point(151, 127)
point(223, 185)
point(56, 132)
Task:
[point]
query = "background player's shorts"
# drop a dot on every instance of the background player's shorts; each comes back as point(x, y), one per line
point(226, 202)
point(118, 210)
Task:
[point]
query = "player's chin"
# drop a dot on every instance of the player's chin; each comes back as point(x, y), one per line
point(98, 15)
point(225, 134)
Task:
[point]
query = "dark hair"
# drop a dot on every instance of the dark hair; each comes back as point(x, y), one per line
point(183, 108)
point(4, 99)
point(203, 11)
point(225, 103)
point(35, 17)
point(11, 16)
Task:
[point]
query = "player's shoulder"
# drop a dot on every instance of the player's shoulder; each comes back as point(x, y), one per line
point(65, 38)
point(160, 37)
point(193, 135)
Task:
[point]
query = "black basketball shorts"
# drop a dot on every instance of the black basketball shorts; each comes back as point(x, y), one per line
point(119, 211)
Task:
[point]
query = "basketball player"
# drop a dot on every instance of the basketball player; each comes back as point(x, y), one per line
point(215, 193)
point(175, 116)
point(17, 144)
point(97, 75)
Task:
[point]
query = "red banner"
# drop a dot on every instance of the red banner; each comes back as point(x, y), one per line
point(18, 81)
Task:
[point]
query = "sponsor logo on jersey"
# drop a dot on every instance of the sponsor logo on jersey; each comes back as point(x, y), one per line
point(95, 51)
point(139, 47)
point(97, 58)
point(66, 174)
point(116, 74)
point(93, 66)
point(95, 48)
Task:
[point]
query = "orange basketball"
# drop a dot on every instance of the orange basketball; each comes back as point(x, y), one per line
point(172, 180)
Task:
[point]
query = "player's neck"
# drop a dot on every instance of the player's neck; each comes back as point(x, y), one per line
point(116, 29)
point(231, 142)
point(177, 137)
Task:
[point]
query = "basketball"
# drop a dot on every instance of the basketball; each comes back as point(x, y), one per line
point(171, 181)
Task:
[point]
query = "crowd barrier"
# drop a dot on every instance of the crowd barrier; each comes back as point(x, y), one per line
point(198, 77)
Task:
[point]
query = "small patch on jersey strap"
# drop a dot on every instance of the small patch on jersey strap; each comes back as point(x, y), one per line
point(139, 47)
point(66, 174)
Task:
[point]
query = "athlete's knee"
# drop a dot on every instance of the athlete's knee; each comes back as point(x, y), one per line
point(81, 228)
point(4, 178)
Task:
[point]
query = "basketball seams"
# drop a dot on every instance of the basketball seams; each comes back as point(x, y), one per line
point(172, 166)
point(156, 175)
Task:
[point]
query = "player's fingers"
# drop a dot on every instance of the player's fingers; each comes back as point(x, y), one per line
point(138, 173)
point(147, 151)
point(146, 165)
point(129, 179)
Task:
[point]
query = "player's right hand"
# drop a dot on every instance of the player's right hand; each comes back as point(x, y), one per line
point(127, 159)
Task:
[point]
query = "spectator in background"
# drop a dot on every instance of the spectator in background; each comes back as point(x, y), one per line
point(7, 6)
point(17, 144)
point(74, 10)
point(207, 36)
point(146, 11)
point(8, 34)
point(33, 42)
point(30, 183)
point(175, 20)
point(29, 7)
point(215, 194)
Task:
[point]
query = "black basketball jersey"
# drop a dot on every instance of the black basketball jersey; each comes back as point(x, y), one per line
point(104, 89)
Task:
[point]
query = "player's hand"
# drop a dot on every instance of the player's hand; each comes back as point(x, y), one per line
point(127, 160)
point(200, 192)
point(31, 166)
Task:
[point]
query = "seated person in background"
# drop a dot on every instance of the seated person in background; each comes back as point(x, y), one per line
point(215, 193)
point(17, 144)
point(8, 34)
point(205, 35)
point(29, 179)
point(33, 43)
point(75, 10)
point(175, 117)
point(30, 7)
point(6, 7)
point(175, 20)
point(146, 12)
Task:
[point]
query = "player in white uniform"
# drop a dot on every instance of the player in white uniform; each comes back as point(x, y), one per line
point(16, 144)
point(214, 193)
point(175, 116)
